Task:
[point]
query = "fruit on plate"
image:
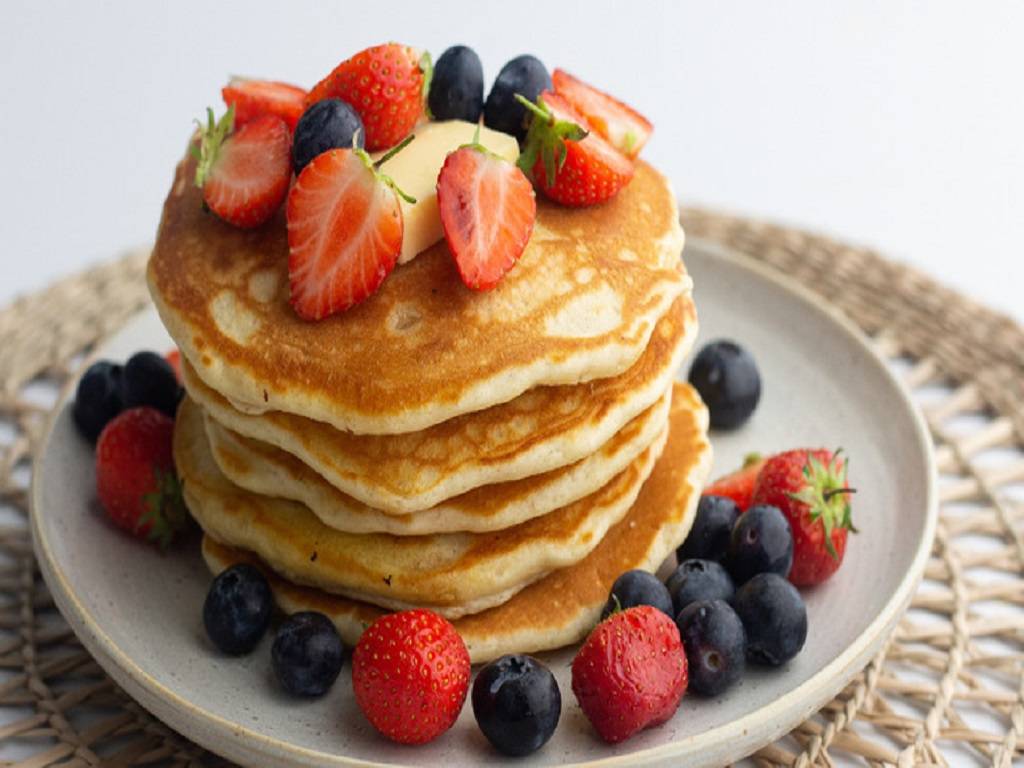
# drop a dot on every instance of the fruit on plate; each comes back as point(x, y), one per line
point(517, 704)
point(638, 587)
point(385, 85)
point(327, 124)
point(149, 379)
point(237, 609)
point(307, 654)
point(630, 674)
point(344, 232)
point(811, 489)
point(98, 398)
point(619, 124)
point(715, 644)
point(739, 485)
point(135, 479)
point(709, 537)
point(255, 98)
point(487, 210)
point(761, 542)
point(457, 86)
point(173, 358)
point(244, 173)
point(774, 619)
point(568, 164)
point(525, 76)
point(694, 580)
point(728, 381)
point(410, 674)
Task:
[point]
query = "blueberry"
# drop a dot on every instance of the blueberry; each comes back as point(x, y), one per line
point(726, 377)
point(457, 87)
point(709, 537)
point(525, 75)
point(327, 124)
point(761, 542)
point(237, 609)
point(517, 704)
point(638, 587)
point(307, 654)
point(774, 618)
point(98, 398)
point(148, 379)
point(695, 580)
point(715, 645)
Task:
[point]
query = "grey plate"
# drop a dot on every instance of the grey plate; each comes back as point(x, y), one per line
point(138, 611)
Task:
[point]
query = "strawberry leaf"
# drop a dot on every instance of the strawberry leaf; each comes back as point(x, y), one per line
point(211, 138)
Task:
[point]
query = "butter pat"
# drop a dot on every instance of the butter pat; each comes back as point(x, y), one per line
point(415, 171)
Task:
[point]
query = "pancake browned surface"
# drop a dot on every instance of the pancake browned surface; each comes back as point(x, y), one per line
point(562, 607)
point(580, 304)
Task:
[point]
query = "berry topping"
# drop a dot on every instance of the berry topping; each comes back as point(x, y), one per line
point(638, 587)
point(715, 645)
point(385, 84)
point(726, 377)
point(307, 654)
point(410, 674)
point(709, 537)
point(774, 619)
point(327, 124)
point(244, 175)
point(487, 209)
point(620, 125)
point(255, 98)
point(237, 609)
point(524, 75)
point(149, 379)
point(173, 358)
point(694, 580)
point(457, 86)
point(98, 398)
point(135, 479)
point(630, 673)
point(761, 542)
point(517, 704)
point(739, 485)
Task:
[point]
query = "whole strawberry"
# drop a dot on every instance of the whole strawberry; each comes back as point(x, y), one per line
point(135, 478)
point(630, 673)
point(810, 487)
point(410, 674)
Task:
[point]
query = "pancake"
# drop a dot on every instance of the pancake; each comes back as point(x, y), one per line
point(580, 304)
point(561, 608)
point(541, 430)
point(453, 573)
point(261, 468)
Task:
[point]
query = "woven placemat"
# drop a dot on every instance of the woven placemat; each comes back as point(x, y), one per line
point(948, 687)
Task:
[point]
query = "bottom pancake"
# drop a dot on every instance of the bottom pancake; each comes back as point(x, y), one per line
point(560, 608)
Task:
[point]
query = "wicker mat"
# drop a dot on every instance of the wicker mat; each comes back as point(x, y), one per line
point(948, 688)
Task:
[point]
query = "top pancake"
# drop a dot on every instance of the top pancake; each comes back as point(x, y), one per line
point(580, 304)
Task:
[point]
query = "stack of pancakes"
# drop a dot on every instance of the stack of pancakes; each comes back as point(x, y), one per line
point(499, 458)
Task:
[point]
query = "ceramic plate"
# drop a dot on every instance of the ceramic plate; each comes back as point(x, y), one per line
point(138, 611)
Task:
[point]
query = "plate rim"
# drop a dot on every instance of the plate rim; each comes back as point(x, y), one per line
point(236, 740)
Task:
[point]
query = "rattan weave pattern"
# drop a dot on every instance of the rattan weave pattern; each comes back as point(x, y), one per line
point(949, 686)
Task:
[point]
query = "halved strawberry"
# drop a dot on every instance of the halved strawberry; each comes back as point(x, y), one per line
point(487, 209)
point(386, 85)
point(571, 165)
point(739, 485)
point(621, 125)
point(253, 98)
point(345, 232)
point(244, 175)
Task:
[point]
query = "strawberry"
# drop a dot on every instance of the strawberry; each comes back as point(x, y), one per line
point(738, 485)
point(386, 85)
point(571, 165)
point(810, 488)
point(135, 478)
point(253, 98)
point(630, 673)
point(345, 231)
point(410, 675)
point(487, 209)
point(174, 358)
point(619, 124)
point(244, 174)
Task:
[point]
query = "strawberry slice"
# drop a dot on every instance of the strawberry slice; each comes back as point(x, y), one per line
point(487, 209)
point(244, 175)
point(254, 98)
point(345, 231)
point(571, 165)
point(619, 124)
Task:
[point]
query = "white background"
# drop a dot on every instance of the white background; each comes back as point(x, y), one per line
point(892, 124)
